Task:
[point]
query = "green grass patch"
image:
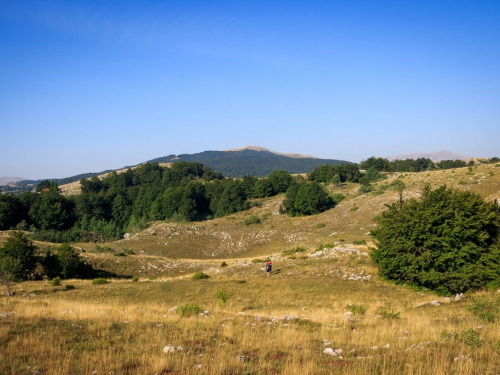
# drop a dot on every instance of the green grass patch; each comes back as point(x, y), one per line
point(189, 310)
point(100, 281)
point(199, 276)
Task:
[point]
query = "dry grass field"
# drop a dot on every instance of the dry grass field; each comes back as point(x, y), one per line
point(321, 311)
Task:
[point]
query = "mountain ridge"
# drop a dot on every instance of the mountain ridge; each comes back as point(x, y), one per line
point(434, 156)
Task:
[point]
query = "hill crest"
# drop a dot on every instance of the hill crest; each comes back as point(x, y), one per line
point(434, 156)
point(258, 148)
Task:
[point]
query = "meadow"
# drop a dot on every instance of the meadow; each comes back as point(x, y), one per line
point(323, 310)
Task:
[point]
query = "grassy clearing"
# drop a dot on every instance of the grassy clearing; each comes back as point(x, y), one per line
point(268, 325)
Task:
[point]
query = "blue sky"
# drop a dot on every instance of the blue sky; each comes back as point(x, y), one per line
point(92, 85)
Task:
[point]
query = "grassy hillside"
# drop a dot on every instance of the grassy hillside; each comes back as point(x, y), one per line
point(327, 296)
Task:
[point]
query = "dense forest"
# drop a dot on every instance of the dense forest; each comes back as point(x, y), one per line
point(128, 201)
point(187, 191)
point(249, 162)
point(415, 165)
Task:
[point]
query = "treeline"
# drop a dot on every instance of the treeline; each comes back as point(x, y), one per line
point(415, 165)
point(108, 208)
point(21, 260)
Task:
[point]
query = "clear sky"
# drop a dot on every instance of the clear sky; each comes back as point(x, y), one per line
point(92, 85)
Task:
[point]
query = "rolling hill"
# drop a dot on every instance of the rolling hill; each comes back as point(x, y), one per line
point(251, 160)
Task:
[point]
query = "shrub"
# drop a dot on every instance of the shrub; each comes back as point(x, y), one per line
point(99, 281)
point(128, 252)
point(240, 281)
point(223, 297)
point(188, 310)
point(223, 264)
point(337, 198)
point(365, 188)
point(357, 309)
point(293, 251)
point(119, 254)
point(447, 241)
point(388, 314)
point(135, 279)
point(252, 220)
point(319, 226)
point(70, 287)
point(199, 276)
point(486, 308)
point(470, 338)
point(56, 281)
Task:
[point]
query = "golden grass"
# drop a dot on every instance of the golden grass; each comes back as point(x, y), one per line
point(122, 327)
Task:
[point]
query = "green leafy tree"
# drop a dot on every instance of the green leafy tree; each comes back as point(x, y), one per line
point(280, 181)
point(379, 164)
point(51, 265)
point(11, 211)
point(70, 262)
point(307, 199)
point(18, 255)
point(8, 270)
point(448, 241)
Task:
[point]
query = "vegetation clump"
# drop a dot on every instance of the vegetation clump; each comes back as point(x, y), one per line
point(100, 281)
point(447, 241)
point(223, 297)
point(293, 251)
point(486, 308)
point(252, 220)
point(56, 281)
point(199, 276)
point(188, 310)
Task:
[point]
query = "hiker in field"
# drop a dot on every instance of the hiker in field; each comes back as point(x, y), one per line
point(269, 267)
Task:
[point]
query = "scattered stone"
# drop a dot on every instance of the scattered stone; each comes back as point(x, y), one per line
point(348, 315)
point(330, 351)
point(374, 348)
point(387, 346)
point(447, 300)
point(198, 366)
point(169, 349)
point(459, 297)
point(406, 333)
point(422, 304)
point(327, 342)
point(462, 358)
point(241, 358)
point(180, 348)
point(7, 314)
point(435, 303)
point(289, 317)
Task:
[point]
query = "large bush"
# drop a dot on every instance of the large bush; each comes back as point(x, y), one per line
point(448, 241)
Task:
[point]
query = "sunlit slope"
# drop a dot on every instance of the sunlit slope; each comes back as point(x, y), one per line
point(351, 220)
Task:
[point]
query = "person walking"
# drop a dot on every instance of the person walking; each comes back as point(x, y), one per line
point(269, 267)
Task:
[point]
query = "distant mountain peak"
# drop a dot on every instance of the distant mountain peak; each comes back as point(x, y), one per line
point(434, 156)
point(258, 148)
